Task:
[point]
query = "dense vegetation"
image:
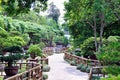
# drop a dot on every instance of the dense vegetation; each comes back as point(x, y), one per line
point(94, 27)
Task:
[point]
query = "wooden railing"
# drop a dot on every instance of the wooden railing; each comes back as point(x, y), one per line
point(42, 60)
point(34, 73)
point(99, 72)
point(48, 50)
point(81, 59)
point(51, 50)
point(95, 64)
point(33, 69)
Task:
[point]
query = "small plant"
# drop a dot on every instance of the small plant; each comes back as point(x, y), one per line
point(73, 63)
point(88, 69)
point(46, 68)
point(34, 51)
point(45, 76)
point(83, 69)
point(79, 66)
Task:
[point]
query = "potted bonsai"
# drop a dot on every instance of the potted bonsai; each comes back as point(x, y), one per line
point(14, 54)
point(12, 45)
point(34, 51)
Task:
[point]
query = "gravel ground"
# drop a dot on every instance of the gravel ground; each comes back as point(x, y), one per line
point(61, 70)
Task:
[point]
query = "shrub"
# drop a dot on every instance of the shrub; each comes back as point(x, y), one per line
point(73, 63)
point(46, 68)
point(41, 45)
point(95, 71)
point(83, 68)
point(70, 49)
point(111, 77)
point(109, 55)
point(45, 76)
point(88, 47)
point(79, 66)
point(78, 52)
point(35, 49)
point(112, 39)
point(88, 69)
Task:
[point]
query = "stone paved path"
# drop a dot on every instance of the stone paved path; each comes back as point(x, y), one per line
point(61, 70)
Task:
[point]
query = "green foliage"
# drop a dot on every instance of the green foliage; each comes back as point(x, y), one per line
point(112, 39)
point(88, 47)
point(70, 49)
point(25, 37)
point(109, 57)
point(41, 45)
point(61, 39)
point(45, 76)
point(110, 53)
point(78, 53)
point(7, 41)
point(80, 66)
point(83, 68)
point(88, 69)
point(73, 63)
point(13, 49)
point(45, 32)
point(112, 69)
point(111, 77)
point(14, 33)
point(1, 77)
point(46, 68)
point(11, 57)
point(34, 49)
point(80, 31)
point(15, 53)
point(17, 40)
point(14, 7)
point(83, 16)
point(53, 12)
point(3, 34)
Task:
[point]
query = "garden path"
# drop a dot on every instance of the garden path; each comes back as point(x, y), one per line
point(61, 70)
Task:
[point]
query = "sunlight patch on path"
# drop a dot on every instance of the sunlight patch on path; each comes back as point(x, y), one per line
point(61, 70)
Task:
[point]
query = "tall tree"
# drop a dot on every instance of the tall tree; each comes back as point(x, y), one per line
point(96, 13)
point(53, 12)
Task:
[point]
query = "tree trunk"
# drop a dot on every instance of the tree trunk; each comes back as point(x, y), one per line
point(102, 17)
point(10, 63)
point(95, 38)
point(95, 33)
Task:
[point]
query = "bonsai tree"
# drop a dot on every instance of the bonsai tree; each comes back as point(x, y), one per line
point(12, 45)
point(34, 51)
point(11, 57)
